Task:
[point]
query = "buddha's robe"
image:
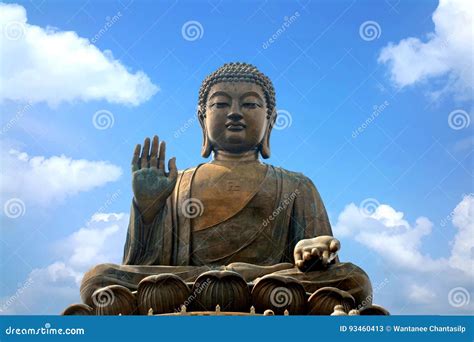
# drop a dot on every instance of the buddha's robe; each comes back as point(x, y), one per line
point(250, 223)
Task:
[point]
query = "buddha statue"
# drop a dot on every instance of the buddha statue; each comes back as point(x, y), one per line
point(234, 213)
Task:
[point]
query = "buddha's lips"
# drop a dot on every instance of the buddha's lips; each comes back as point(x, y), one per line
point(235, 126)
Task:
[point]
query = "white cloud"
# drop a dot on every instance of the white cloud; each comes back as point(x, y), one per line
point(91, 246)
point(42, 181)
point(387, 233)
point(419, 282)
point(51, 289)
point(421, 294)
point(463, 246)
point(445, 52)
point(44, 64)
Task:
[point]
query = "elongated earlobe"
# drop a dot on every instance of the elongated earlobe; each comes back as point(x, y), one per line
point(206, 148)
point(265, 145)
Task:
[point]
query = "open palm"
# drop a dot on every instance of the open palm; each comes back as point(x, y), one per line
point(151, 184)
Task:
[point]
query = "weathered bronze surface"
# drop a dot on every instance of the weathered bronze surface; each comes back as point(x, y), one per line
point(233, 213)
point(279, 293)
point(78, 310)
point(114, 300)
point(325, 300)
point(224, 288)
point(161, 293)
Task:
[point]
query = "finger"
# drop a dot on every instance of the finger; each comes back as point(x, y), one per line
point(316, 252)
point(154, 146)
point(307, 255)
point(162, 156)
point(136, 158)
point(298, 259)
point(325, 257)
point(334, 246)
point(145, 153)
point(173, 171)
point(154, 152)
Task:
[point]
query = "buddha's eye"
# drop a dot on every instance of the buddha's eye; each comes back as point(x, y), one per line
point(219, 104)
point(250, 105)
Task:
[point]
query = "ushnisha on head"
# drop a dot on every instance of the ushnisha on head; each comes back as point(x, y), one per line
point(236, 110)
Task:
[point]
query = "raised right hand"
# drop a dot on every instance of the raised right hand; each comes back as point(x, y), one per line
point(150, 183)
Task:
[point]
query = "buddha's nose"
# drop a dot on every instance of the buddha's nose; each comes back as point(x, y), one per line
point(235, 116)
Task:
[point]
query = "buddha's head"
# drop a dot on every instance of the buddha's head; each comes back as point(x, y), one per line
point(236, 110)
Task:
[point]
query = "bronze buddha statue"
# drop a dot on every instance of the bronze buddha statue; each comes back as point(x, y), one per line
point(233, 213)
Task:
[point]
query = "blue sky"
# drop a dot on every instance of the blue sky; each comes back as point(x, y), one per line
point(379, 119)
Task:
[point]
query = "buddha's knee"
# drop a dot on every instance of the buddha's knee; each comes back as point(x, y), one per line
point(97, 277)
point(99, 271)
point(353, 279)
point(344, 276)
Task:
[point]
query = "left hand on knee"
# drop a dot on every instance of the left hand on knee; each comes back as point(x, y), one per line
point(316, 253)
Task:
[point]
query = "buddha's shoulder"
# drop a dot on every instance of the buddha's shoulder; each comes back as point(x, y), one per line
point(292, 176)
point(186, 172)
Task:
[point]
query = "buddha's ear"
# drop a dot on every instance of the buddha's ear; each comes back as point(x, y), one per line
point(206, 146)
point(265, 145)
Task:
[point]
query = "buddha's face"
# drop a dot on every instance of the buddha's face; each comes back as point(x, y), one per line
point(236, 116)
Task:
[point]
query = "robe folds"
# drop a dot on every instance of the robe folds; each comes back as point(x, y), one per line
point(284, 209)
point(255, 237)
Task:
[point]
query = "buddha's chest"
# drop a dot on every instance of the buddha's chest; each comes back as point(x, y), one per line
point(224, 191)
